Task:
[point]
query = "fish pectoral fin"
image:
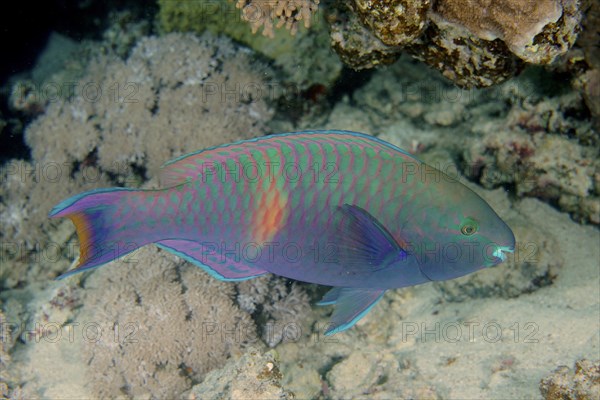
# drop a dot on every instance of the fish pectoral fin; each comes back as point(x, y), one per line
point(363, 243)
point(351, 304)
point(206, 258)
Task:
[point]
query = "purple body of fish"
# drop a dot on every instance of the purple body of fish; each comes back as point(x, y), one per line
point(330, 207)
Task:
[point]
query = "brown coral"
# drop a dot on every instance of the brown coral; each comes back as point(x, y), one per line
point(356, 45)
point(517, 23)
point(394, 22)
point(466, 60)
point(261, 13)
point(473, 43)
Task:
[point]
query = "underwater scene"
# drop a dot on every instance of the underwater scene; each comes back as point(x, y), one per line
point(295, 199)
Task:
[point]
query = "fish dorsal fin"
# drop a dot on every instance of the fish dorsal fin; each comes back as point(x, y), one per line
point(351, 304)
point(193, 165)
point(363, 243)
point(189, 166)
point(176, 174)
point(206, 258)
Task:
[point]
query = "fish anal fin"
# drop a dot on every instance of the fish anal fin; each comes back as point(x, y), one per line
point(205, 258)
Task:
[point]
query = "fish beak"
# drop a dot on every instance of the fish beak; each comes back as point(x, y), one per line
point(500, 252)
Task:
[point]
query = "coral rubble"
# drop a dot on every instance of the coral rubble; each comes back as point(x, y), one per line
point(583, 383)
point(255, 375)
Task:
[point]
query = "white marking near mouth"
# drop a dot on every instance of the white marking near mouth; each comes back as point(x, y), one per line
point(499, 252)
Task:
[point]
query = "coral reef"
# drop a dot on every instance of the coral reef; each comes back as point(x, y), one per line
point(394, 22)
point(582, 383)
point(6, 342)
point(280, 306)
point(552, 168)
point(587, 78)
point(474, 44)
point(416, 345)
point(164, 325)
point(465, 59)
point(535, 31)
point(298, 73)
point(173, 95)
point(531, 151)
point(261, 13)
point(125, 30)
point(151, 101)
point(356, 45)
point(255, 375)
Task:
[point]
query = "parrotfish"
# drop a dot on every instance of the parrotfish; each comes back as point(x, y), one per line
point(335, 208)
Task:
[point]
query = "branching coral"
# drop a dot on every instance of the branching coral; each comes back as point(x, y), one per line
point(261, 13)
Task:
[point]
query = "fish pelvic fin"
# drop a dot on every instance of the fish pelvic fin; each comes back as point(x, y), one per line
point(96, 223)
point(351, 304)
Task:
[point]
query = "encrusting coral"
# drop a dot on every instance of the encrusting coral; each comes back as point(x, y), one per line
point(164, 324)
point(535, 31)
point(473, 43)
point(173, 95)
point(394, 22)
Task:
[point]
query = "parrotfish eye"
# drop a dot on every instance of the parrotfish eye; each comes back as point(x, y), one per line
point(469, 227)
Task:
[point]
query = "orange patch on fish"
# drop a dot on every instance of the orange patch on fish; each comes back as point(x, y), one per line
point(83, 231)
point(270, 215)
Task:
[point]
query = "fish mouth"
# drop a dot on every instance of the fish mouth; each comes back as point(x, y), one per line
point(501, 251)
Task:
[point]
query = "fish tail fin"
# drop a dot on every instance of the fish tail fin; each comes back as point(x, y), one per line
point(96, 222)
